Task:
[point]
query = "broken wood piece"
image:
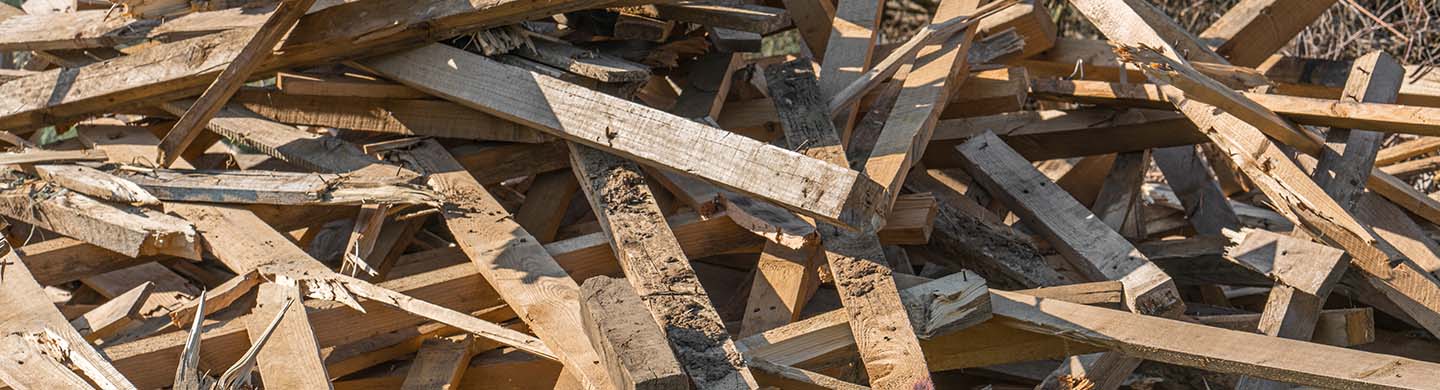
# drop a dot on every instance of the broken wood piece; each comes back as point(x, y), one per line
point(129, 230)
point(70, 30)
point(439, 364)
point(552, 106)
point(631, 344)
point(1337, 327)
point(193, 121)
point(419, 117)
point(1349, 155)
point(103, 321)
point(595, 65)
point(96, 183)
point(657, 268)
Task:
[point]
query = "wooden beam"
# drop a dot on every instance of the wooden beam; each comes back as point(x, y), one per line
point(275, 188)
point(39, 344)
point(439, 364)
point(1119, 203)
point(1318, 78)
point(512, 261)
point(552, 106)
point(848, 52)
point(343, 85)
point(1209, 348)
point(70, 30)
point(742, 17)
point(423, 117)
point(657, 268)
point(545, 204)
point(1346, 162)
point(1337, 327)
point(1097, 251)
point(1253, 30)
point(291, 357)
point(236, 73)
point(632, 346)
point(595, 65)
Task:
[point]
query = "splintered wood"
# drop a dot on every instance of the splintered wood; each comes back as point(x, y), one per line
point(728, 194)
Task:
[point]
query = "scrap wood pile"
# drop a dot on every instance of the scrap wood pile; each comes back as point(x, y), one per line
point(420, 194)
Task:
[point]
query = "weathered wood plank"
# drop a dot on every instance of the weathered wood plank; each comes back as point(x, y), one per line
point(290, 357)
point(657, 268)
point(130, 230)
point(70, 30)
point(805, 185)
point(1346, 162)
point(103, 321)
point(439, 364)
point(632, 344)
point(275, 188)
point(423, 117)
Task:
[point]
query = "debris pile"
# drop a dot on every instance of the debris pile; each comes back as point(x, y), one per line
point(716, 194)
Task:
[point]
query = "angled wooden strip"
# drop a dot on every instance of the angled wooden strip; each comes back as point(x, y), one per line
point(90, 181)
point(527, 278)
point(1337, 327)
point(1099, 252)
point(187, 129)
point(545, 204)
point(938, 69)
point(1119, 202)
point(847, 53)
point(50, 156)
point(657, 268)
point(742, 17)
point(274, 188)
point(1251, 31)
point(1049, 134)
point(39, 344)
point(1211, 348)
point(580, 115)
point(632, 344)
point(1204, 202)
point(343, 85)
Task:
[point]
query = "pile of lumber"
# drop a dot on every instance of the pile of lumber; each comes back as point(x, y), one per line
point(591, 194)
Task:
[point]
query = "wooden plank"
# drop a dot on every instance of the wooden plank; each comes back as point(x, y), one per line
point(1337, 327)
point(1253, 30)
point(274, 188)
point(63, 259)
point(848, 52)
point(423, 117)
point(512, 261)
point(632, 345)
point(187, 129)
point(107, 319)
point(1304, 272)
point(306, 150)
point(1204, 202)
point(39, 344)
point(1318, 78)
point(130, 230)
point(812, 18)
point(890, 352)
point(93, 182)
point(50, 156)
point(938, 69)
point(742, 17)
point(1119, 202)
point(165, 69)
point(70, 30)
point(1346, 162)
point(291, 357)
point(544, 103)
point(1051, 134)
point(657, 268)
point(1210, 348)
point(1097, 251)
point(439, 364)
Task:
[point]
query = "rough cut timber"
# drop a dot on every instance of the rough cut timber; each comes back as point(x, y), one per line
point(513, 261)
point(275, 188)
point(659, 271)
point(422, 117)
point(290, 357)
point(1251, 31)
point(790, 180)
point(1349, 156)
point(70, 30)
point(439, 364)
point(107, 319)
point(632, 345)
